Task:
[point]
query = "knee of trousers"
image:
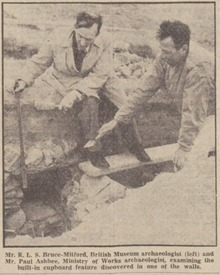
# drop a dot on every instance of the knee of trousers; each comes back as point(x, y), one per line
point(90, 108)
point(92, 101)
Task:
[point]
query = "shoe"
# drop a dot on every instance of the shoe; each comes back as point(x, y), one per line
point(138, 151)
point(98, 160)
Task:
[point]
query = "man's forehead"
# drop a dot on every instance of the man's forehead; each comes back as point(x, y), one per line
point(167, 43)
point(88, 33)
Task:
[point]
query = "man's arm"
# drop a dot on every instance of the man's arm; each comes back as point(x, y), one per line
point(148, 86)
point(194, 109)
point(39, 62)
point(138, 98)
point(133, 105)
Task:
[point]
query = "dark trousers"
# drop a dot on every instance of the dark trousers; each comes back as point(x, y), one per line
point(89, 121)
point(88, 116)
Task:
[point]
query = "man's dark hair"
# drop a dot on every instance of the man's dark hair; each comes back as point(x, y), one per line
point(86, 20)
point(178, 31)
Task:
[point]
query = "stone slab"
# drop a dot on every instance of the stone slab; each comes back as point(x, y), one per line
point(127, 161)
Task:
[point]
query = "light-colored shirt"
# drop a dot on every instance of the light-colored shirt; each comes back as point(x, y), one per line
point(191, 88)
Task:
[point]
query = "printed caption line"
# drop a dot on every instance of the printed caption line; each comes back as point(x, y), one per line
point(208, 273)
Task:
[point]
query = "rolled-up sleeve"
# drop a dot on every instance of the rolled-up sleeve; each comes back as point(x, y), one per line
point(99, 74)
point(194, 108)
point(39, 62)
point(148, 86)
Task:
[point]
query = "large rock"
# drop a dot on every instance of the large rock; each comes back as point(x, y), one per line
point(11, 157)
point(38, 210)
point(15, 221)
point(42, 220)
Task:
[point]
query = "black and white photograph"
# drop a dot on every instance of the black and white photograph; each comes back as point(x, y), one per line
point(109, 124)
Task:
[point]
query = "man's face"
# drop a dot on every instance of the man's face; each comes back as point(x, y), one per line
point(170, 53)
point(85, 36)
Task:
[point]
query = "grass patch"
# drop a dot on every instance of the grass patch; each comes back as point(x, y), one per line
point(29, 26)
point(143, 51)
point(23, 41)
point(11, 49)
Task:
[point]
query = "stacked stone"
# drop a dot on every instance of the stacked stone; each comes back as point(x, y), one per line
point(13, 195)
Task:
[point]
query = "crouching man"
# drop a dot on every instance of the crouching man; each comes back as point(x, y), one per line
point(79, 62)
point(191, 87)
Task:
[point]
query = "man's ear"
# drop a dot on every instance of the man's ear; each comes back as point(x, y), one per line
point(185, 49)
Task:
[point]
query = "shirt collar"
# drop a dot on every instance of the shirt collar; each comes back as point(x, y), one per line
point(68, 41)
point(98, 41)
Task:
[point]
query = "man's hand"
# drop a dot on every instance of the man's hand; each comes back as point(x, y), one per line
point(68, 101)
point(16, 86)
point(107, 128)
point(179, 160)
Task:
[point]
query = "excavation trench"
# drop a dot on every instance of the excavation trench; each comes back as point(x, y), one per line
point(59, 195)
point(57, 200)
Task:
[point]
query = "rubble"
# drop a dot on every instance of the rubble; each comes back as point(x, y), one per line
point(131, 66)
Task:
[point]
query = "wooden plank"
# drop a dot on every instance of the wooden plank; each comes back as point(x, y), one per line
point(127, 161)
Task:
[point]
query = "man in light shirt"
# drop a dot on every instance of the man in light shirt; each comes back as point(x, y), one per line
point(190, 86)
point(79, 62)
